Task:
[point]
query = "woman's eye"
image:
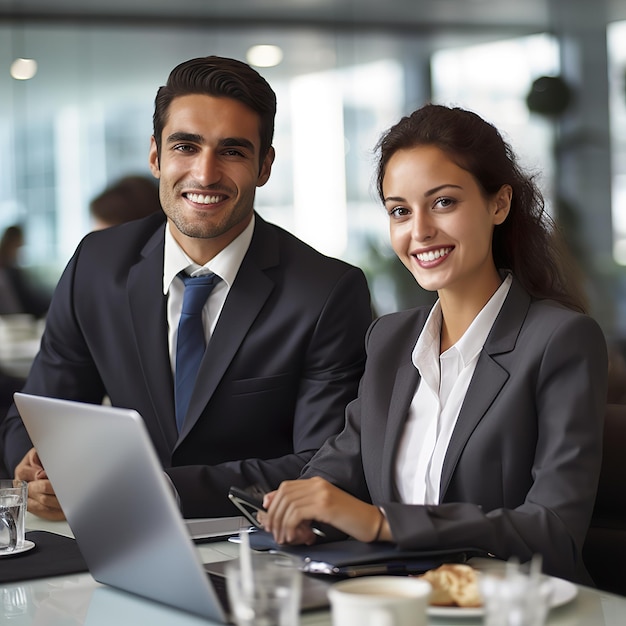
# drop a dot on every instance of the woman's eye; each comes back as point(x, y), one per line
point(444, 203)
point(398, 211)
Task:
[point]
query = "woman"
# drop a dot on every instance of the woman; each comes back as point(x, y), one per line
point(478, 423)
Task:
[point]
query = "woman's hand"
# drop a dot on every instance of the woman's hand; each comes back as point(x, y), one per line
point(296, 503)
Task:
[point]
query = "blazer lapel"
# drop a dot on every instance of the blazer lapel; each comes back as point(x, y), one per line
point(148, 309)
point(407, 379)
point(488, 379)
point(245, 299)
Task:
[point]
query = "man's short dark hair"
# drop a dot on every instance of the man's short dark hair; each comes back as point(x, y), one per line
point(219, 77)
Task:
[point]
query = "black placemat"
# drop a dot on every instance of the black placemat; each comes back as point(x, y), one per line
point(53, 555)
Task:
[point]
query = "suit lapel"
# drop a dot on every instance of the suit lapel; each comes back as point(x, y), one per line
point(148, 309)
point(407, 379)
point(245, 299)
point(489, 377)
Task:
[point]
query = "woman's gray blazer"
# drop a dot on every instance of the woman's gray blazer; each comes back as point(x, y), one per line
point(521, 470)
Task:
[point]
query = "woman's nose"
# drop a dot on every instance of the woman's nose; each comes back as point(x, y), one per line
point(423, 227)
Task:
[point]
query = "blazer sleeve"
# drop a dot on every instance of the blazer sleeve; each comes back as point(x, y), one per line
point(62, 368)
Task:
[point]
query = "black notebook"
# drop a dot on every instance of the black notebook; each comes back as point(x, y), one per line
point(349, 558)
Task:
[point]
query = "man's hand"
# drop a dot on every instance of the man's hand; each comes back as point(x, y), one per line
point(42, 500)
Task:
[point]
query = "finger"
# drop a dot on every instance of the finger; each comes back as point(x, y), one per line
point(278, 510)
point(52, 513)
point(26, 472)
point(36, 459)
point(42, 498)
point(268, 498)
point(294, 511)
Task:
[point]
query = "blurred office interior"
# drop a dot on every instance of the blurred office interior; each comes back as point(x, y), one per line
point(549, 73)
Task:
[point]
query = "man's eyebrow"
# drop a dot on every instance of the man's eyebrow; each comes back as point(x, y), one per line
point(238, 142)
point(183, 136)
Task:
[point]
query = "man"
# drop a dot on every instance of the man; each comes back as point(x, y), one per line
point(286, 324)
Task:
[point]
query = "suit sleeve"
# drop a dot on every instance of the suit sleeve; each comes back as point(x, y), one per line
point(334, 363)
point(63, 367)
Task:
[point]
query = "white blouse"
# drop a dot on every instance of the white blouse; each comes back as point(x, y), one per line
point(437, 401)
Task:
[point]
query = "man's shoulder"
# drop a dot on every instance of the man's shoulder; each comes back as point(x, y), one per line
point(288, 247)
point(123, 240)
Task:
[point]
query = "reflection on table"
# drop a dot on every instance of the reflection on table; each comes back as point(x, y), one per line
point(79, 600)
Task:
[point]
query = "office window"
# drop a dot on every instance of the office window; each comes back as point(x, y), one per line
point(493, 79)
point(617, 102)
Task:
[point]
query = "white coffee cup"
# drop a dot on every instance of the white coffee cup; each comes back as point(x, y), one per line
point(380, 601)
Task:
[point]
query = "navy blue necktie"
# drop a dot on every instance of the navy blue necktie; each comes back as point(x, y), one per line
point(190, 344)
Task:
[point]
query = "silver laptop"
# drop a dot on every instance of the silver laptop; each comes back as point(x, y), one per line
point(120, 506)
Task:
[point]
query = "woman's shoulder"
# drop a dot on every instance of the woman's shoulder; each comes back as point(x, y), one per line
point(400, 322)
point(552, 311)
point(551, 323)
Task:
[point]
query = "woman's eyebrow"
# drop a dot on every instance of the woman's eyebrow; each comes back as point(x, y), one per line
point(437, 189)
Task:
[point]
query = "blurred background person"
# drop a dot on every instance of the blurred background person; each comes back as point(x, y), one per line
point(19, 292)
point(129, 198)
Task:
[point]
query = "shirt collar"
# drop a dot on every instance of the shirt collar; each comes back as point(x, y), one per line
point(472, 341)
point(225, 264)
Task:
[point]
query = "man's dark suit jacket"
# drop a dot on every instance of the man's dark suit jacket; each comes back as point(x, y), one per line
point(283, 362)
point(521, 471)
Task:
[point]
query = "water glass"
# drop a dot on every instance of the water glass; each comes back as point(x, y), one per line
point(13, 499)
point(264, 589)
point(515, 597)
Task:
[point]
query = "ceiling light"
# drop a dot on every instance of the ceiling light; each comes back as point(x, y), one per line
point(23, 69)
point(264, 56)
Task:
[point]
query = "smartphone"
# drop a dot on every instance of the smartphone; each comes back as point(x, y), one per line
point(250, 505)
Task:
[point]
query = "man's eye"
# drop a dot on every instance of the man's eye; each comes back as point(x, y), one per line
point(184, 147)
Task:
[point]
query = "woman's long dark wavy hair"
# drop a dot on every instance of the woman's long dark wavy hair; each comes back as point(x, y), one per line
point(528, 242)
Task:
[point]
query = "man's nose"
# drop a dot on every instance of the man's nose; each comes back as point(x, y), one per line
point(207, 168)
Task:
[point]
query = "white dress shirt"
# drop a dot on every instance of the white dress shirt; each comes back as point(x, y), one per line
point(225, 264)
point(437, 402)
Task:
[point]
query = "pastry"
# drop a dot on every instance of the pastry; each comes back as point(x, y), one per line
point(454, 584)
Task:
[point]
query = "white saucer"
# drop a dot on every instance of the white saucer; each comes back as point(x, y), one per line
point(28, 545)
point(563, 592)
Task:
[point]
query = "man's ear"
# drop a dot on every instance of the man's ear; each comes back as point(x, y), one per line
point(153, 159)
point(502, 200)
point(266, 167)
